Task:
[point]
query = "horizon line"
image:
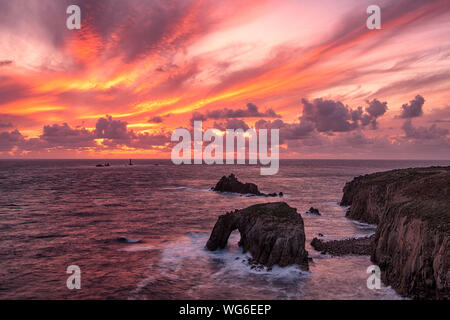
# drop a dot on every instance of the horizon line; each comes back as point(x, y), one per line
point(281, 159)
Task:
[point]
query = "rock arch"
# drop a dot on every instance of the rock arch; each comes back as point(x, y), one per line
point(272, 232)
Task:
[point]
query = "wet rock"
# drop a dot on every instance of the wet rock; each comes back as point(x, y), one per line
point(273, 233)
point(314, 211)
point(232, 184)
point(356, 246)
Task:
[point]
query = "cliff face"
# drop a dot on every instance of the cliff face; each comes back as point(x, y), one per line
point(272, 232)
point(412, 210)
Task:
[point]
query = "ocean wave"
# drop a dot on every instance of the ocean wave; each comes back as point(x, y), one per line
point(187, 259)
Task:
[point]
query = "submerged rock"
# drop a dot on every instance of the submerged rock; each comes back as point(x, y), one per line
point(273, 233)
point(411, 208)
point(313, 210)
point(232, 184)
point(126, 240)
point(356, 246)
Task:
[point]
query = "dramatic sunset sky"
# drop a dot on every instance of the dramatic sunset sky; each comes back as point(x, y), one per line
point(139, 69)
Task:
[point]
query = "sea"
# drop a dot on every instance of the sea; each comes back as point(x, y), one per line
point(139, 232)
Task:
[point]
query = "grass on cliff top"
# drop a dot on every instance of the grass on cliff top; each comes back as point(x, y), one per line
point(277, 209)
point(387, 177)
point(422, 193)
point(428, 198)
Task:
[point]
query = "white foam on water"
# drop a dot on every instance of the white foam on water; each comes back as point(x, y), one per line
point(187, 260)
point(364, 226)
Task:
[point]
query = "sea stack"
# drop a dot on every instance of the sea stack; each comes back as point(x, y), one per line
point(273, 233)
point(411, 208)
point(232, 184)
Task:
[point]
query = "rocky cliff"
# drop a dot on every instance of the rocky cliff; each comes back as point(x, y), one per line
point(273, 233)
point(412, 210)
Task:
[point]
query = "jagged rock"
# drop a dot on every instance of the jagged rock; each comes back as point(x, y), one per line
point(313, 210)
point(356, 246)
point(232, 184)
point(273, 233)
point(411, 208)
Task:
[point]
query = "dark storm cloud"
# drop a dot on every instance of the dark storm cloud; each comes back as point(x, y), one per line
point(319, 116)
point(328, 115)
point(5, 63)
point(156, 119)
point(115, 133)
point(62, 136)
point(423, 133)
point(288, 131)
point(65, 136)
point(9, 140)
point(147, 140)
point(251, 111)
point(6, 125)
point(413, 109)
point(333, 116)
point(233, 124)
point(197, 116)
point(107, 128)
point(374, 110)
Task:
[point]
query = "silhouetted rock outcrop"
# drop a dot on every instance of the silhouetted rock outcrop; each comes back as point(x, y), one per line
point(272, 232)
point(232, 184)
point(412, 210)
point(356, 246)
point(313, 210)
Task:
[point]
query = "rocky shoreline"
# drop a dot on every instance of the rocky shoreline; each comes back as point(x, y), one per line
point(411, 208)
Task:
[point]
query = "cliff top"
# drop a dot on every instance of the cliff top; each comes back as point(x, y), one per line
point(416, 192)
